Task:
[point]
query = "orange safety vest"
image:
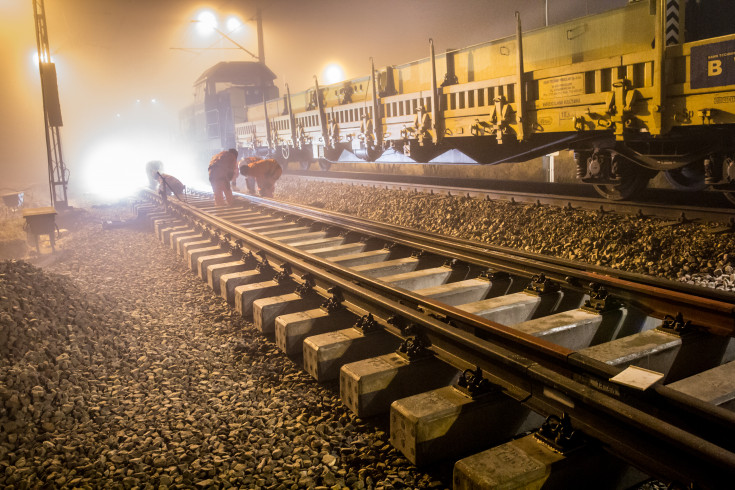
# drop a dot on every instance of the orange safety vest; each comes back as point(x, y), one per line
point(267, 169)
point(223, 166)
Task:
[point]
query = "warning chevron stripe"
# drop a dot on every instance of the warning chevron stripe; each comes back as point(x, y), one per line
point(672, 22)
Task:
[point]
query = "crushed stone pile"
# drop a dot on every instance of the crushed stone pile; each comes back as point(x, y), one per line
point(42, 315)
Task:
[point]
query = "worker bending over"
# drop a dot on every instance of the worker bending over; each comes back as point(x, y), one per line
point(168, 184)
point(223, 170)
point(263, 172)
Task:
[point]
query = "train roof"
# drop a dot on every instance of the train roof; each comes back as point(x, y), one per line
point(237, 72)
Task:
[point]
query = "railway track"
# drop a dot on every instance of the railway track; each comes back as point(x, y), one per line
point(529, 362)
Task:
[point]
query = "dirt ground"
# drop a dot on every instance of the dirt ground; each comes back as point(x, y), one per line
point(18, 243)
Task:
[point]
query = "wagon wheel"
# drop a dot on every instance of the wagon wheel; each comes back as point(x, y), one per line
point(633, 180)
point(728, 167)
point(687, 178)
point(324, 164)
point(373, 153)
point(285, 152)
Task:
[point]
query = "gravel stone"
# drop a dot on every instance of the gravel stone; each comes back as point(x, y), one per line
point(685, 252)
point(121, 369)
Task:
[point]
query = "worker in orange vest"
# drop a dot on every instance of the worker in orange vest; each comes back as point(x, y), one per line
point(263, 172)
point(223, 170)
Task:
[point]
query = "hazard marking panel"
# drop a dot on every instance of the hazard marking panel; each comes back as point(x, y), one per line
point(713, 65)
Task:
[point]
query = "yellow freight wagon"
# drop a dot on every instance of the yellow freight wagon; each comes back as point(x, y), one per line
point(634, 91)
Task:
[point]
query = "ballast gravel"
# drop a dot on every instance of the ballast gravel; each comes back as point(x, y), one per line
point(687, 252)
point(121, 369)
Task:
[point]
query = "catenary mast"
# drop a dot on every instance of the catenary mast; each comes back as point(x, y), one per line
point(58, 176)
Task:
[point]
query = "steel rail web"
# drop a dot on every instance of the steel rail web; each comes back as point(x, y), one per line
point(623, 427)
point(715, 312)
point(656, 291)
point(658, 296)
point(602, 372)
point(515, 392)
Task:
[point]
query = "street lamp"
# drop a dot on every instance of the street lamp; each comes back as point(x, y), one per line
point(333, 73)
point(214, 28)
point(233, 23)
point(207, 19)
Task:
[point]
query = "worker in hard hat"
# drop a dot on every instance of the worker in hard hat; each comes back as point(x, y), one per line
point(264, 172)
point(222, 171)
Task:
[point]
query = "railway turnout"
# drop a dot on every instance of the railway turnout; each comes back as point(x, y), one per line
point(522, 368)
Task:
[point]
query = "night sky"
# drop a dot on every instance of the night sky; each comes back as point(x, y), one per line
point(114, 57)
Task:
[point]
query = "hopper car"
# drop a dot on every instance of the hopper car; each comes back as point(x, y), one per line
point(643, 89)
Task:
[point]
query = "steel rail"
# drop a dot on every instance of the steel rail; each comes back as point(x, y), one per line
point(710, 309)
point(556, 391)
point(591, 372)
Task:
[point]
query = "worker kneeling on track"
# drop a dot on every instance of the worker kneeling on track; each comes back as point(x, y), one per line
point(263, 172)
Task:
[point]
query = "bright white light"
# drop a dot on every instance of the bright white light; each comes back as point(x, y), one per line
point(111, 169)
point(35, 58)
point(153, 101)
point(333, 73)
point(233, 24)
point(207, 22)
point(114, 167)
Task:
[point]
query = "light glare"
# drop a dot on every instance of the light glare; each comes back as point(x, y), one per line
point(333, 73)
point(111, 170)
point(35, 58)
point(206, 22)
point(233, 24)
point(114, 167)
